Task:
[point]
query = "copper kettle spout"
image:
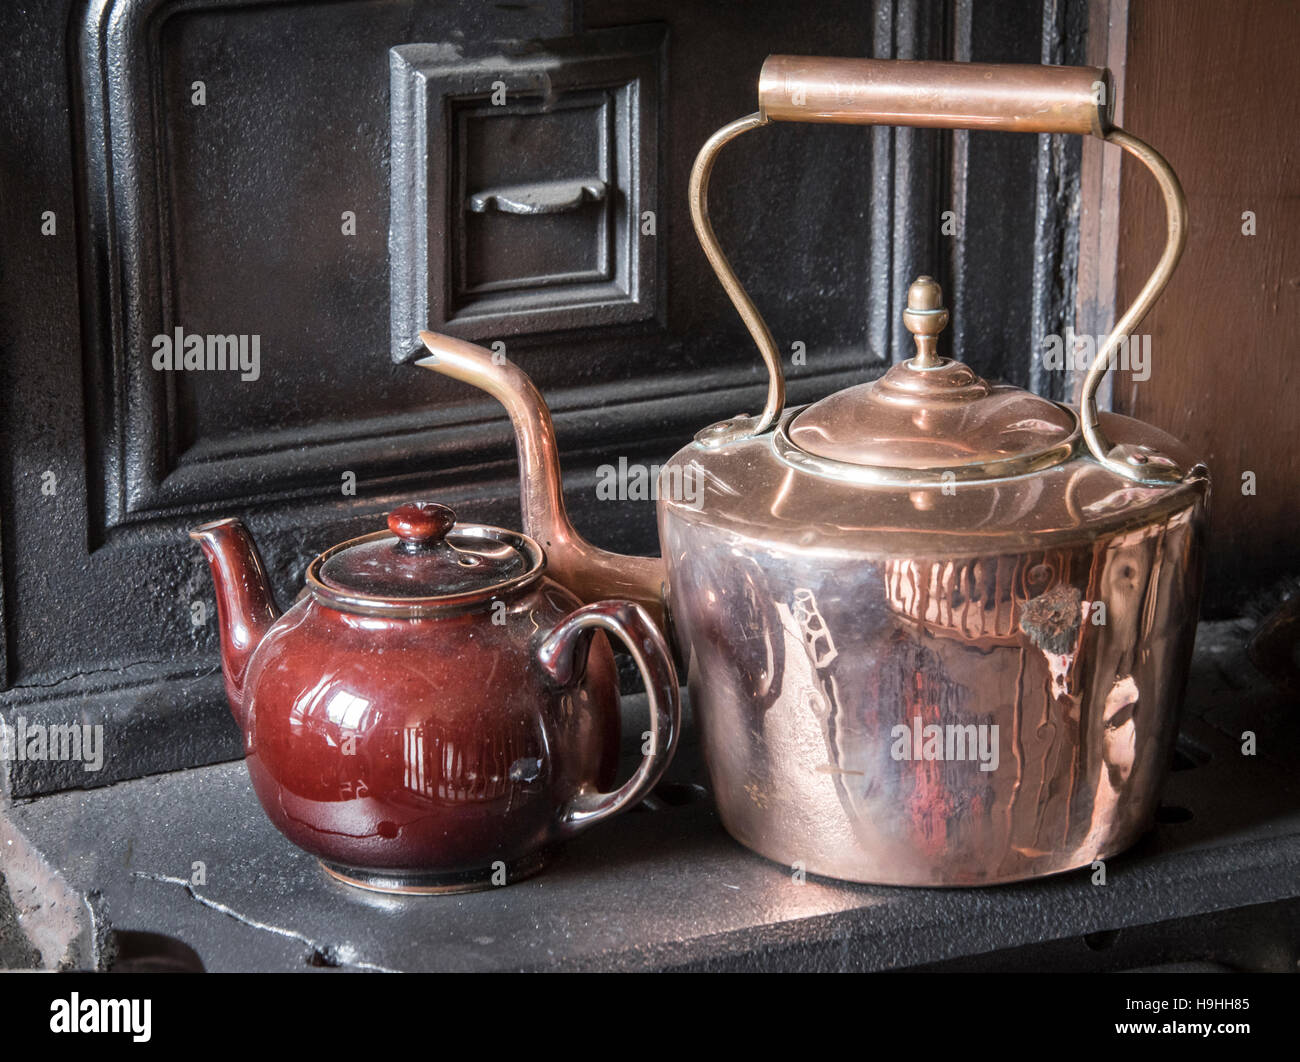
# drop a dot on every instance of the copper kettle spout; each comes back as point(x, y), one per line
point(245, 606)
point(591, 573)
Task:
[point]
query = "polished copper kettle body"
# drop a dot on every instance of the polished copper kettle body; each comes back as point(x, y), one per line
point(434, 713)
point(937, 630)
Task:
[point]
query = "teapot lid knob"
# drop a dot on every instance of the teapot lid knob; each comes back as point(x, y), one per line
point(925, 318)
point(421, 525)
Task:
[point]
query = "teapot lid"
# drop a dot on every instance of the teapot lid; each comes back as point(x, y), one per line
point(424, 562)
point(930, 419)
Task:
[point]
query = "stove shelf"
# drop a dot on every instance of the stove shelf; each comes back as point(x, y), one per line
point(653, 890)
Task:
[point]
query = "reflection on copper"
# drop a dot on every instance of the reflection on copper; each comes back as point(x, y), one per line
point(1120, 714)
point(972, 598)
point(816, 635)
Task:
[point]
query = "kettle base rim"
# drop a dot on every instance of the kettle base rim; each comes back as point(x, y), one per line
point(948, 881)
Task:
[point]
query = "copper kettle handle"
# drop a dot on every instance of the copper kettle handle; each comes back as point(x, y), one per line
point(949, 95)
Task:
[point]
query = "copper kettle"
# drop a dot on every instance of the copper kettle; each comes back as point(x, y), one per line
point(937, 631)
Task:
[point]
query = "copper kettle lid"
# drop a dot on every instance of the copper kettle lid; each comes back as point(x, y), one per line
point(424, 562)
point(929, 418)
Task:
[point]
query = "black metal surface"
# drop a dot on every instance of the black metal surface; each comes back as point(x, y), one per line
point(667, 889)
point(228, 219)
point(525, 187)
point(1263, 938)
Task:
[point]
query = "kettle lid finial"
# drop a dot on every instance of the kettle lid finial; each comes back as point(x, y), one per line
point(928, 419)
point(925, 318)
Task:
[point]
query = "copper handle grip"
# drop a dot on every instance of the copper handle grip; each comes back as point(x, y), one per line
point(1012, 97)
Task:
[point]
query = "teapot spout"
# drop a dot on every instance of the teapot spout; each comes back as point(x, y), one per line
point(245, 607)
point(591, 573)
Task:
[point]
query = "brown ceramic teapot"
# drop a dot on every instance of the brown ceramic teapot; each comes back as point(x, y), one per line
point(937, 630)
point(434, 714)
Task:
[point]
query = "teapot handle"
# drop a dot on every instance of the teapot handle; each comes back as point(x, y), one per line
point(559, 654)
point(948, 95)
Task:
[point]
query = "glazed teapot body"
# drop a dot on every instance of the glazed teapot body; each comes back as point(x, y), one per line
point(435, 742)
point(936, 630)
